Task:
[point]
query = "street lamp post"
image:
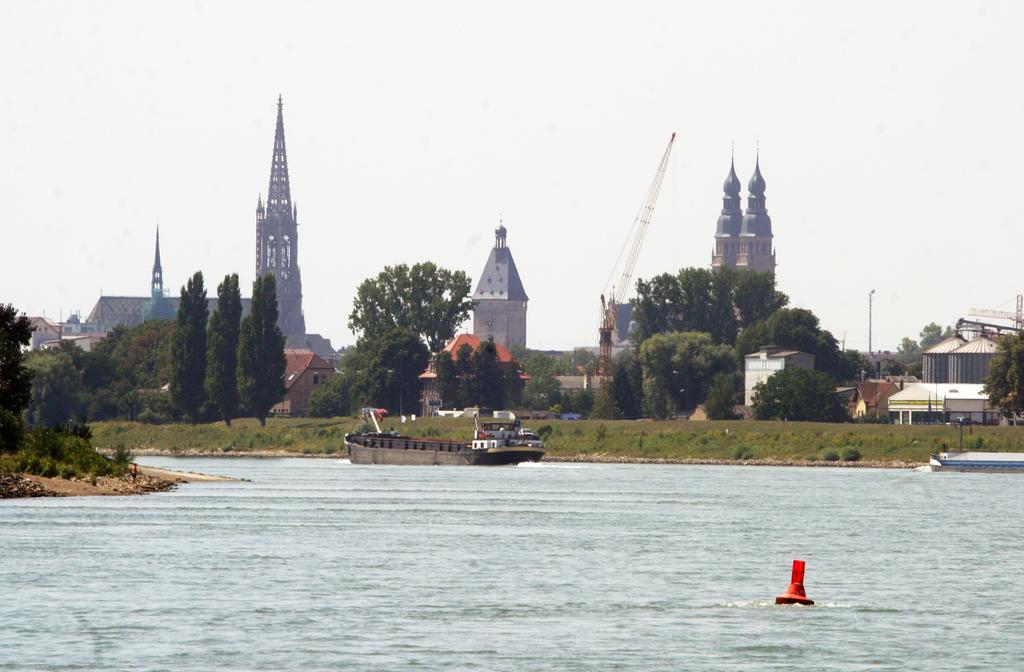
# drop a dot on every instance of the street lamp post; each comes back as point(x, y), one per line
point(871, 295)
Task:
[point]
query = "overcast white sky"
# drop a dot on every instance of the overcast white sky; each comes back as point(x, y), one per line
point(891, 142)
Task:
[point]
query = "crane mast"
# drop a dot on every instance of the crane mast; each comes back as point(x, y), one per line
point(610, 306)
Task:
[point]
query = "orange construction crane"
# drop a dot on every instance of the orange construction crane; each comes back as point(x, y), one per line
point(610, 306)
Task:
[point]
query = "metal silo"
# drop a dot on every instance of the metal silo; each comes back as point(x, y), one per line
point(969, 363)
point(935, 360)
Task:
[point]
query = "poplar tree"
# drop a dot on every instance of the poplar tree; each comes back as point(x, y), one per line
point(188, 349)
point(222, 349)
point(261, 362)
point(15, 377)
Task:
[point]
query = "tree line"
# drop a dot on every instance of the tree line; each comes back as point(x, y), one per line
point(691, 332)
point(217, 365)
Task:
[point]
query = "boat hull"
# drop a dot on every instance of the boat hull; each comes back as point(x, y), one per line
point(432, 452)
point(991, 463)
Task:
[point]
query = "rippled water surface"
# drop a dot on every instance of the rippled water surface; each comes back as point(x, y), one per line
point(322, 565)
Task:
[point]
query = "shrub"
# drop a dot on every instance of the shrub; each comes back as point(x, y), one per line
point(151, 417)
point(48, 451)
point(851, 455)
point(122, 456)
point(544, 431)
point(742, 453)
point(831, 456)
point(600, 433)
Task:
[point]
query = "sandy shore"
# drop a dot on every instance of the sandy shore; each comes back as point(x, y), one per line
point(150, 479)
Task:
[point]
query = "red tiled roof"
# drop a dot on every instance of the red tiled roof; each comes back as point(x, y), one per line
point(504, 356)
point(874, 391)
point(297, 361)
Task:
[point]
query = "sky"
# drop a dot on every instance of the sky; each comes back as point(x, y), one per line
point(890, 138)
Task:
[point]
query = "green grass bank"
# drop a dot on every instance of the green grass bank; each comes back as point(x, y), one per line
point(740, 441)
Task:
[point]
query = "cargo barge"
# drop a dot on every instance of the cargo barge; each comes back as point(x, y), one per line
point(494, 443)
point(993, 463)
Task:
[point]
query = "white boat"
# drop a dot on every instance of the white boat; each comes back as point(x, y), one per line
point(996, 463)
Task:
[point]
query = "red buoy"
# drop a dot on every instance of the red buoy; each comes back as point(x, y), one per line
point(795, 594)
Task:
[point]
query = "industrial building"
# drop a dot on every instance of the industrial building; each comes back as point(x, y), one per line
point(959, 361)
point(940, 403)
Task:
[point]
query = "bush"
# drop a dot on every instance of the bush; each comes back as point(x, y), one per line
point(122, 456)
point(544, 431)
point(151, 417)
point(831, 456)
point(48, 452)
point(851, 455)
point(742, 453)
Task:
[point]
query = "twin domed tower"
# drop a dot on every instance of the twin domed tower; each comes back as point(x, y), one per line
point(744, 241)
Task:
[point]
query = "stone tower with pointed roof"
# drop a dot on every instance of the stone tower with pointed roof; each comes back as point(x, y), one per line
point(499, 302)
point(277, 238)
point(744, 241)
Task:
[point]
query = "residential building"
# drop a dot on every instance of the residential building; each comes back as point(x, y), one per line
point(304, 372)
point(44, 330)
point(761, 365)
point(872, 399)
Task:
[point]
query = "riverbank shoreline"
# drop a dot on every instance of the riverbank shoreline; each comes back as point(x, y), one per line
point(729, 442)
point(579, 458)
point(149, 479)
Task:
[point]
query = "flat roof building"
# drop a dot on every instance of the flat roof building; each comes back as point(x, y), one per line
point(939, 403)
point(770, 359)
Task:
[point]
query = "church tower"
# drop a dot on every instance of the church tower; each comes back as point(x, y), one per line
point(156, 285)
point(277, 238)
point(729, 222)
point(756, 251)
point(499, 302)
point(159, 307)
point(744, 241)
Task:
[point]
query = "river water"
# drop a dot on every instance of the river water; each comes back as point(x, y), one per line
point(322, 565)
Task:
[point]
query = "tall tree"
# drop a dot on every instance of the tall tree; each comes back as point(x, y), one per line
point(57, 392)
point(678, 369)
point(627, 384)
point(426, 299)
point(756, 297)
point(799, 395)
point(722, 397)
point(188, 349)
point(932, 334)
point(261, 362)
point(396, 359)
point(716, 302)
point(222, 349)
point(491, 385)
point(15, 377)
point(1004, 383)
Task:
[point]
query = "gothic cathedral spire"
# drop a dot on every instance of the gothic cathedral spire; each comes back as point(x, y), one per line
point(277, 237)
point(157, 285)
